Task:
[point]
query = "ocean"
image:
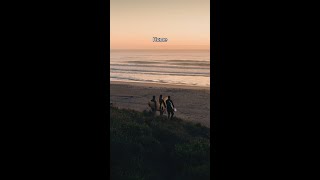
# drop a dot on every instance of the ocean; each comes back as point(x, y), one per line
point(177, 67)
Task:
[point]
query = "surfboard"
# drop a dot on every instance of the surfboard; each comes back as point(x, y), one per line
point(165, 105)
point(152, 104)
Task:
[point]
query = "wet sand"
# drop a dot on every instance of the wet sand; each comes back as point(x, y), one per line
point(192, 102)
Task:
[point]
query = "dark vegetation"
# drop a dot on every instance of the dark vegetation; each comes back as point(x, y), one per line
point(147, 147)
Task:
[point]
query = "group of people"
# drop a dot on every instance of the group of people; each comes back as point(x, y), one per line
point(164, 105)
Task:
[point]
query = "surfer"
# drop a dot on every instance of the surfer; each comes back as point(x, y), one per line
point(154, 108)
point(170, 107)
point(162, 105)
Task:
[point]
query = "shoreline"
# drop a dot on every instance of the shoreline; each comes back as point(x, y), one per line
point(192, 102)
point(159, 85)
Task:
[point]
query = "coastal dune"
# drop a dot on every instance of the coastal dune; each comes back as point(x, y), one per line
point(192, 102)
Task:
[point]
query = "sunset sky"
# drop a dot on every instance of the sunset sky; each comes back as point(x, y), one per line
point(134, 23)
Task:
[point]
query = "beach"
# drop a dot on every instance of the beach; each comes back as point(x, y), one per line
point(192, 102)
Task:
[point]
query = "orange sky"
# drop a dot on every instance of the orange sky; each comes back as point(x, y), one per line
point(134, 23)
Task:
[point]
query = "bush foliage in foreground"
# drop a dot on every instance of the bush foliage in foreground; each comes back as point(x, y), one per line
point(145, 147)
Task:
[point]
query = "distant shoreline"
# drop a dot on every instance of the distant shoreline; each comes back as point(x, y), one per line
point(174, 86)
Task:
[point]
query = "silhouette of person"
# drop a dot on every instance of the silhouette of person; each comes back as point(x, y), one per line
point(170, 107)
point(162, 105)
point(154, 108)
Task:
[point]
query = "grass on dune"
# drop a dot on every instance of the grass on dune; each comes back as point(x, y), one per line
point(147, 147)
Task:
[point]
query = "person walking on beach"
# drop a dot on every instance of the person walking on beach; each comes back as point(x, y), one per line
point(154, 108)
point(162, 105)
point(170, 107)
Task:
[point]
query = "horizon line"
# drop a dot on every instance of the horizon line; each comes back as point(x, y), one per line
point(160, 49)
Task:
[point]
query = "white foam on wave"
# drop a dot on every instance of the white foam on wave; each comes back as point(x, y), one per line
point(184, 68)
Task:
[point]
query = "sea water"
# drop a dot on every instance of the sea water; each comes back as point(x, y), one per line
point(177, 67)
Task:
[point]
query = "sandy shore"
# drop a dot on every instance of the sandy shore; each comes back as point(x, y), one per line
point(192, 103)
